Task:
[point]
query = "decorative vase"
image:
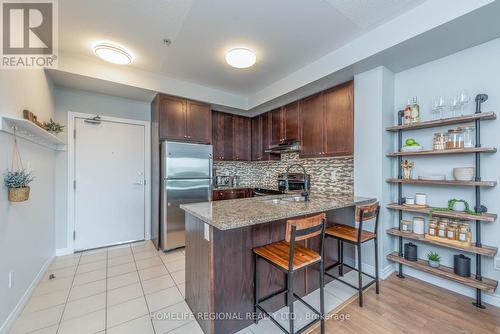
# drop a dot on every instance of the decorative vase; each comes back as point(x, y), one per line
point(434, 264)
point(19, 194)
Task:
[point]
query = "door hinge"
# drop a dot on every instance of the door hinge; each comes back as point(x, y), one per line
point(74, 184)
point(74, 235)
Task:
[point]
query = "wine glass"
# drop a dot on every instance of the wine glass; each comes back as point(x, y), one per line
point(463, 100)
point(454, 105)
point(440, 105)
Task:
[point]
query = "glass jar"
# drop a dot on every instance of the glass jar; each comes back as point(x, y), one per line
point(440, 140)
point(406, 225)
point(443, 224)
point(433, 227)
point(452, 231)
point(463, 232)
point(469, 134)
point(455, 139)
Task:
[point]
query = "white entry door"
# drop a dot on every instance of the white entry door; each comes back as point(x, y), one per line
point(109, 186)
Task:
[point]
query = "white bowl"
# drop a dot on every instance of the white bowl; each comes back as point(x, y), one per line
point(412, 148)
point(463, 173)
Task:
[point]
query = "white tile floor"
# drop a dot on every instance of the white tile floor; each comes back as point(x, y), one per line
point(115, 290)
point(126, 290)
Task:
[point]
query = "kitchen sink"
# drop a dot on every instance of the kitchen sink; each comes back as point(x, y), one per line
point(285, 200)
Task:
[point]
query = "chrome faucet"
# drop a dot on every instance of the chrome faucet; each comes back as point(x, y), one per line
point(307, 186)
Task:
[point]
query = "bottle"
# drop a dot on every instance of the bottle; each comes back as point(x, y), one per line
point(407, 114)
point(415, 111)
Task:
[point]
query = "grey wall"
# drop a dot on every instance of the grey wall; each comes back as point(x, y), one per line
point(26, 229)
point(373, 105)
point(67, 100)
point(478, 71)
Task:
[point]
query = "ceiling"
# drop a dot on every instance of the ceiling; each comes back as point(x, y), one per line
point(286, 34)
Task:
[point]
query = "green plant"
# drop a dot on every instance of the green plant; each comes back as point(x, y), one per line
point(18, 179)
point(451, 203)
point(53, 126)
point(433, 256)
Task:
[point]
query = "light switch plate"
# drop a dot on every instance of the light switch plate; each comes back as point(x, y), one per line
point(206, 232)
point(497, 263)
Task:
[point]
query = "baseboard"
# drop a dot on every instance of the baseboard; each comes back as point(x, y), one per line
point(488, 298)
point(7, 325)
point(383, 273)
point(63, 251)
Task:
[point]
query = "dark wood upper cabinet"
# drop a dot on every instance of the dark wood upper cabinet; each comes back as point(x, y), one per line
point(276, 120)
point(184, 120)
point(327, 122)
point(198, 121)
point(339, 120)
point(228, 135)
point(218, 135)
point(257, 150)
point(242, 136)
point(311, 126)
point(291, 121)
point(172, 118)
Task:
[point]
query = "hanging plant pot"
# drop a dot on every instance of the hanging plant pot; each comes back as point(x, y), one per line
point(19, 194)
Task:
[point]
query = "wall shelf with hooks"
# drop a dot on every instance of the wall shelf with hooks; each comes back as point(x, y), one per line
point(32, 132)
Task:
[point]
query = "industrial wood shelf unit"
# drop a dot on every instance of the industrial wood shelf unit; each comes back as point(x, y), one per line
point(445, 182)
point(478, 282)
point(443, 122)
point(485, 217)
point(441, 152)
point(489, 251)
point(483, 284)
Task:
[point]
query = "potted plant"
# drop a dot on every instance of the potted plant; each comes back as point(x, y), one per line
point(17, 183)
point(433, 258)
point(53, 127)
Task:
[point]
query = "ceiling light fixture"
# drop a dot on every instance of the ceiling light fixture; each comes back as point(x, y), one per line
point(241, 58)
point(113, 53)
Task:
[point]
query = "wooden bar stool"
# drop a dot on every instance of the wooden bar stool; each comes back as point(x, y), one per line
point(290, 258)
point(357, 237)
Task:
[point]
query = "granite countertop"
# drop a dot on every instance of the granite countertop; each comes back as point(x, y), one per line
point(230, 214)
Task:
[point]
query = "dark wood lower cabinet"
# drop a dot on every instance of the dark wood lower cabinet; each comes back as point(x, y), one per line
point(223, 194)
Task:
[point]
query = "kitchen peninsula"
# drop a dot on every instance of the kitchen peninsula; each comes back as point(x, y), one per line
point(220, 236)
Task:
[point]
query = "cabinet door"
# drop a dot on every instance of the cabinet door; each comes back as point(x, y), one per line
point(218, 135)
point(257, 138)
point(266, 137)
point(172, 118)
point(276, 119)
point(339, 120)
point(242, 138)
point(291, 121)
point(198, 123)
point(228, 137)
point(311, 126)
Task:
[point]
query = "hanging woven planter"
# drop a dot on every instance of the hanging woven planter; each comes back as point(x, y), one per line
point(19, 194)
point(17, 178)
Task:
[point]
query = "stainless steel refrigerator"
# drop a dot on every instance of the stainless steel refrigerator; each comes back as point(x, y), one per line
point(186, 171)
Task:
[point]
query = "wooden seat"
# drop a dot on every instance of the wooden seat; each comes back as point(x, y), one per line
point(288, 257)
point(279, 254)
point(356, 236)
point(348, 233)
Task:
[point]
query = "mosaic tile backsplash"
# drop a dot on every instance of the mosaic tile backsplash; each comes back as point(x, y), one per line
point(265, 173)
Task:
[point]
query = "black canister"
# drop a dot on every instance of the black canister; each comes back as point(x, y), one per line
point(461, 265)
point(411, 252)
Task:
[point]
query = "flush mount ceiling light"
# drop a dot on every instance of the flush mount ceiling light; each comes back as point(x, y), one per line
point(241, 58)
point(113, 53)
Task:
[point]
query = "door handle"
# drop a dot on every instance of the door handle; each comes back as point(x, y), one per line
point(140, 183)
